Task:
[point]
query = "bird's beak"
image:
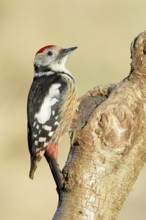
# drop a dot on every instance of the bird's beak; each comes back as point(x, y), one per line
point(66, 51)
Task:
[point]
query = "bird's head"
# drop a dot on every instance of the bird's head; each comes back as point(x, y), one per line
point(52, 57)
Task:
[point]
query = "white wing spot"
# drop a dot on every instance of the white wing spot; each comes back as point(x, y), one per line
point(34, 123)
point(35, 135)
point(45, 144)
point(51, 133)
point(41, 153)
point(36, 143)
point(51, 99)
point(37, 150)
point(54, 90)
point(42, 139)
point(47, 128)
point(37, 127)
point(56, 117)
point(53, 112)
point(56, 123)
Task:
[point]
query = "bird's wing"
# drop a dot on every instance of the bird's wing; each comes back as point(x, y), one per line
point(43, 107)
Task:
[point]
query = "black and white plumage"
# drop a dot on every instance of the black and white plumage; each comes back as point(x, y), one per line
point(51, 103)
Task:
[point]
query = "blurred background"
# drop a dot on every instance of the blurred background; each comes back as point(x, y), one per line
point(103, 31)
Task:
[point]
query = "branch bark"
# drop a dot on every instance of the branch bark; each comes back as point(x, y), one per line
point(108, 147)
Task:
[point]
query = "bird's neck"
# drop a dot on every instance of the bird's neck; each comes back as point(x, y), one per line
point(41, 69)
point(47, 71)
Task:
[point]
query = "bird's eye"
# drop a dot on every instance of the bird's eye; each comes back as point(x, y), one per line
point(50, 53)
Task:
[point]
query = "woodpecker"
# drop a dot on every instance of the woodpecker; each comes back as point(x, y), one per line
point(50, 107)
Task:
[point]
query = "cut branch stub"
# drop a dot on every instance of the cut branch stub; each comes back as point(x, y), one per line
point(108, 152)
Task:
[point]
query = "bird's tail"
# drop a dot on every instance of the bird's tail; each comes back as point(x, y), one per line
point(33, 167)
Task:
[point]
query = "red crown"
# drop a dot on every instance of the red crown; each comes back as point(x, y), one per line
point(44, 48)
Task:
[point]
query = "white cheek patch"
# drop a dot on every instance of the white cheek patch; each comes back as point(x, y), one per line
point(60, 67)
point(42, 59)
point(51, 99)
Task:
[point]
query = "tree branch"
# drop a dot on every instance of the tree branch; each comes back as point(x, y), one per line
point(108, 145)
